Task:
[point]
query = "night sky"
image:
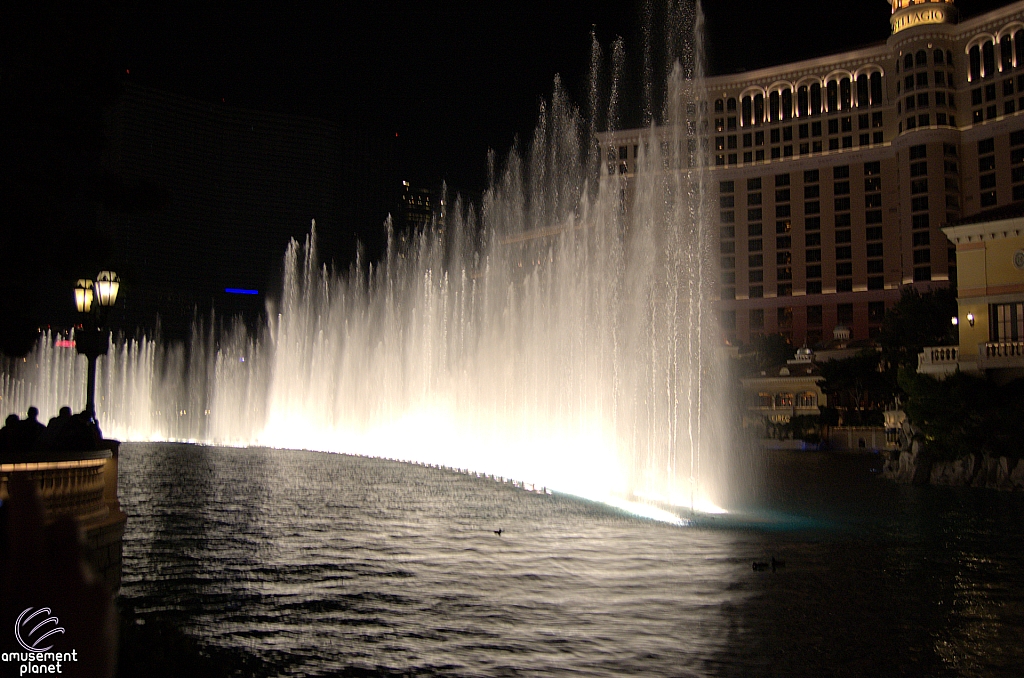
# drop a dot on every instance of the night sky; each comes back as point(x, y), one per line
point(451, 79)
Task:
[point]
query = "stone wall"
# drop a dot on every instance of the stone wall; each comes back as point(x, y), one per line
point(970, 470)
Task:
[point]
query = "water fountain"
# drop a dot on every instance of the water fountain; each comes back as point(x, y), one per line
point(560, 333)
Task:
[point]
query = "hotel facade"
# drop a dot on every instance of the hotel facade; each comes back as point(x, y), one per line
point(834, 177)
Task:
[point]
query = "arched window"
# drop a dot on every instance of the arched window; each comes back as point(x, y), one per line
point(908, 61)
point(773, 106)
point(975, 57)
point(730, 104)
point(787, 104)
point(1018, 44)
point(988, 58)
point(802, 104)
point(1006, 53)
point(758, 109)
point(815, 99)
point(832, 96)
point(876, 89)
point(719, 106)
point(937, 56)
point(863, 96)
point(746, 112)
point(845, 94)
point(921, 57)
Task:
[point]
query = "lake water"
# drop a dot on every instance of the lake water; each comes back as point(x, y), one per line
point(284, 563)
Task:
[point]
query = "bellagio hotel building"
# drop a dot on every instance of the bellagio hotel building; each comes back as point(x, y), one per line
point(833, 176)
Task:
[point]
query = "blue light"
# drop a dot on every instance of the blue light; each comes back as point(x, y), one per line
point(238, 290)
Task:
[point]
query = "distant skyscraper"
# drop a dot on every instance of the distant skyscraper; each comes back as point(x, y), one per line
point(834, 176)
point(239, 184)
point(418, 207)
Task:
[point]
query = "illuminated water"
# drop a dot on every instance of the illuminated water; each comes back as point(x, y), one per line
point(278, 563)
point(560, 333)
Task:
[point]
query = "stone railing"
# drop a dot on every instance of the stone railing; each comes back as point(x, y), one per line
point(1002, 349)
point(81, 485)
point(939, 355)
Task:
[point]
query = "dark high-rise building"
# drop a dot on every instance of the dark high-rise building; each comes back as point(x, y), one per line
point(236, 185)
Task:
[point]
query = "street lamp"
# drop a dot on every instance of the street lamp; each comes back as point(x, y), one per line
point(92, 341)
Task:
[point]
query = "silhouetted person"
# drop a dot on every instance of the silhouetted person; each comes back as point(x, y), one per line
point(82, 434)
point(9, 434)
point(51, 438)
point(29, 430)
point(499, 531)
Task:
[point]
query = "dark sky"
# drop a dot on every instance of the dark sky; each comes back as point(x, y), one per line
point(451, 79)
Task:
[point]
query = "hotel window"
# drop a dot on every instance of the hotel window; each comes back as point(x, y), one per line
point(756, 291)
point(844, 252)
point(756, 276)
point(922, 239)
point(874, 249)
point(872, 168)
point(813, 287)
point(842, 204)
point(1006, 322)
point(844, 236)
point(874, 200)
point(812, 191)
point(812, 224)
point(784, 315)
point(875, 266)
point(922, 273)
point(728, 262)
point(919, 169)
point(919, 204)
point(755, 260)
point(755, 245)
point(812, 239)
point(876, 312)
point(873, 217)
point(876, 90)
point(918, 152)
point(814, 315)
point(919, 186)
point(920, 221)
point(756, 318)
point(988, 58)
point(753, 198)
point(814, 271)
point(1006, 52)
point(844, 285)
point(842, 220)
point(782, 180)
point(813, 255)
point(873, 233)
point(988, 198)
point(863, 91)
point(753, 229)
point(815, 99)
point(872, 184)
point(922, 256)
point(727, 232)
point(844, 314)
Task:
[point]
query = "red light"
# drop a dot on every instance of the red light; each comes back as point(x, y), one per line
point(64, 343)
point(128, 71)
point(396, 135)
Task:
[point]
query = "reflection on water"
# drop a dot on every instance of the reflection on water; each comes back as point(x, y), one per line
point(304, 563)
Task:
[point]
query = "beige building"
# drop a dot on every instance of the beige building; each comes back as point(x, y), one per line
point(990, 261)
point(834, 176)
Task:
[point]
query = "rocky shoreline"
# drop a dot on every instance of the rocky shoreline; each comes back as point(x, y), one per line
point(970, 470)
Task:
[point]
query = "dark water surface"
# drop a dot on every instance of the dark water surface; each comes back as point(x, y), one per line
point(281, 563)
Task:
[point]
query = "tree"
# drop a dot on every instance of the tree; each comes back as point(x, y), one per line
point(858, 387)
point(56, 79)
point(964, 414)
point(916, 321)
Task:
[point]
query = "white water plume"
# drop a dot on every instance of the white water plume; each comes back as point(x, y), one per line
point(560, 333)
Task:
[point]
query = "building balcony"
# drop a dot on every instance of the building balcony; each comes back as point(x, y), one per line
point(995, 355)
point(938, 360)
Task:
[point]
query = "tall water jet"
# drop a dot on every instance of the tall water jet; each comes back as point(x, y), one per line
point(560, 333)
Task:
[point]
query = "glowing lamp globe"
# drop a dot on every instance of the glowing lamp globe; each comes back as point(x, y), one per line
point(83, 296)
point(107, 284)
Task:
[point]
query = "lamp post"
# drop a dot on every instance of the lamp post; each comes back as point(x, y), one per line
point(93, 300)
